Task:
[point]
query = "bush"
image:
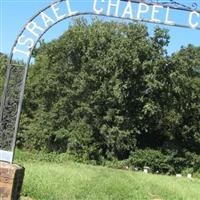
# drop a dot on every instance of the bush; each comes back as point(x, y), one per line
point(170, 163)
point(153, 159)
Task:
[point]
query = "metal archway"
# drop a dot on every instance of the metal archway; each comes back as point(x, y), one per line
point(16, 74)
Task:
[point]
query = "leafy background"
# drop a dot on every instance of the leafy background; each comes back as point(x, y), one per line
point(108, 93)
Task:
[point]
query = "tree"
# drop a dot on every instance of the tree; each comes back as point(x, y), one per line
point(183, 119)
point(2, 70)
point(104, 89)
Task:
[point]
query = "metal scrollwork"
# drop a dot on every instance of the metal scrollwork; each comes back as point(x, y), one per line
point(175, 4)
point(195, 6)
point(9, 107)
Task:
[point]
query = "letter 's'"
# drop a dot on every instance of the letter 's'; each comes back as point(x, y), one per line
point(34, 28)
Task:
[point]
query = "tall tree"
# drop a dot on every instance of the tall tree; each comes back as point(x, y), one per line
point(104, 89)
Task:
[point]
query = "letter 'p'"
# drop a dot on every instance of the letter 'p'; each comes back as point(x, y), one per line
point(142, 8)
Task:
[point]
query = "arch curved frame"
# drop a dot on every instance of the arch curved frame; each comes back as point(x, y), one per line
point(16, 74)
point(11, 108)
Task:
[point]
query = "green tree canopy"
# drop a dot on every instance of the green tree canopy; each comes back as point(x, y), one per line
point(104, 89)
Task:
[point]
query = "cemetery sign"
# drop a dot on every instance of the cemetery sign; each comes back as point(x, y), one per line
point(169, 13)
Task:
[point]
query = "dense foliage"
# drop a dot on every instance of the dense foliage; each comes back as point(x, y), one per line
point(108, 90)
point(3, 60)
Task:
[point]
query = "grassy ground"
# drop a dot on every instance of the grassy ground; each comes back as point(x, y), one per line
point(71, 181)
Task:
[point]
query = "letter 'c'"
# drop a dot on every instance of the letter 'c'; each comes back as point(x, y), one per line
point(98, 11)
point(193, 25)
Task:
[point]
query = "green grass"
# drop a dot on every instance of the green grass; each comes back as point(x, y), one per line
point(71, 181)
